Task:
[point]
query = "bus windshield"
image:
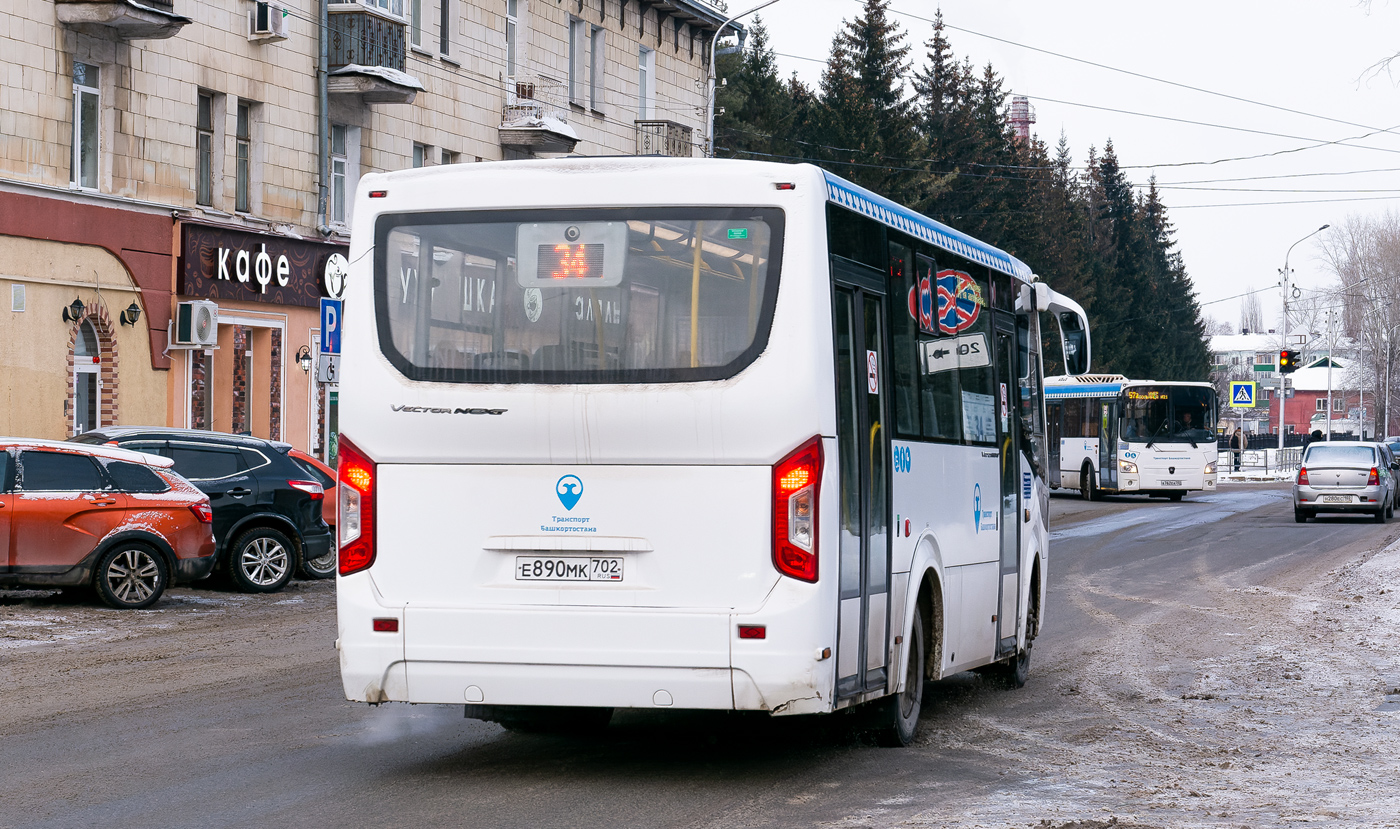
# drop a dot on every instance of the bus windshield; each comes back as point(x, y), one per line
point(578, 296)
point(1167, 413)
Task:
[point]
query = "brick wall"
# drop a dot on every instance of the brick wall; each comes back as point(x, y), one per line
point(240, 422)
point(109, 363)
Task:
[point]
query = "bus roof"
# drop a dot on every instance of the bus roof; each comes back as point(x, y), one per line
point(868, 203)
point(1068, 387)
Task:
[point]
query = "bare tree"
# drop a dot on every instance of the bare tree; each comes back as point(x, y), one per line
point(1251, 313)
point(1215, 326)
point(1364, 255)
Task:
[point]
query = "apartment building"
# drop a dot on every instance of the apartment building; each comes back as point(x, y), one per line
point(155, 154)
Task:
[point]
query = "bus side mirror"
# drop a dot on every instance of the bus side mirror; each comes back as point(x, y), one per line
point(1075, 339)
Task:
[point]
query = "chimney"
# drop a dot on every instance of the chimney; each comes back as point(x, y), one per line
point(1022, 116)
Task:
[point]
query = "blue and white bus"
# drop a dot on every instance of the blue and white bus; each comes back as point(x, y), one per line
point(664, 433)
point(1109, 434)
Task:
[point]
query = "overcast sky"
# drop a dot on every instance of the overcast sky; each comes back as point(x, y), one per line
point(1307, 55)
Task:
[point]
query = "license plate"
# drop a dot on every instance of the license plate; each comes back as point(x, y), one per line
point(1337, 499)
point(1170, 483)
point(568, 568)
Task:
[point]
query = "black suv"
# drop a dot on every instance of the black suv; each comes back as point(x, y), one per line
point(267, 510)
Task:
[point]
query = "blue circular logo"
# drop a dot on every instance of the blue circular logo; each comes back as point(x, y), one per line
point(569, 489)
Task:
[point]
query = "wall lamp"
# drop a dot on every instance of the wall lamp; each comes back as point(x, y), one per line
point(304, 359)
point(130, 315)
point(74, 312)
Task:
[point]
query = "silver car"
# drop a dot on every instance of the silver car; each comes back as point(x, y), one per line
point(1345, 476)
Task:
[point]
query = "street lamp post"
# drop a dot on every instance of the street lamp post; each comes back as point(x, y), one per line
point(1287, 286)
point(714, 59)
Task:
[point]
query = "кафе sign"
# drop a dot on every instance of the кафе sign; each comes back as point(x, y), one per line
point(222, 263)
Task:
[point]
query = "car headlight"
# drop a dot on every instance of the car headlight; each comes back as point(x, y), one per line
point(1127, 466)
point(1210, 468)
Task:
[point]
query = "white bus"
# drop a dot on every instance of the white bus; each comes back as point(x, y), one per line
point(1109, 434)
point(701, 434)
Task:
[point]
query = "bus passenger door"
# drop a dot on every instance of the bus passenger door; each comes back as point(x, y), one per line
point(863, 448)
point(1108, 445)
point(1009, 443)
point(1053, 433)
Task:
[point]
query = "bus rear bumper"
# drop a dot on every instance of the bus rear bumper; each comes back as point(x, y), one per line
point(577, 656)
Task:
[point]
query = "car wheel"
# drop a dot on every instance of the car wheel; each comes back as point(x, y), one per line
point(131, 576)
point(1380, 515)
point(899, 713)
point(322, 567)
point(261, 561)
point(1088, 487)
point(1390, 510)
point(1300, 516)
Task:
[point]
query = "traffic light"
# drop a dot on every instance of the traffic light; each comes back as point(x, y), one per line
point(1287, 361)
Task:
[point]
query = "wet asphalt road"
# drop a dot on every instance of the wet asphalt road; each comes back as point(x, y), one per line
point(278, 746)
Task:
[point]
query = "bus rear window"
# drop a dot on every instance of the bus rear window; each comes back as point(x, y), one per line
point(598, 296)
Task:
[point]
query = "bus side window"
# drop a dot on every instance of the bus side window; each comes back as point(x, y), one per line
point(904, 337)
point(1092, 416)
point(939, 393)
point(977, 376)
point(1074, 418)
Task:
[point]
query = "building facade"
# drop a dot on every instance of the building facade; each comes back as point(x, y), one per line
point(158, 154)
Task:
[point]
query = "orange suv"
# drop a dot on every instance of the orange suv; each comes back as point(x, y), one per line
point(118, 521)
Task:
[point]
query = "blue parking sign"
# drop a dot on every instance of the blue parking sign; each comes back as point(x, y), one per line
point(330, 325)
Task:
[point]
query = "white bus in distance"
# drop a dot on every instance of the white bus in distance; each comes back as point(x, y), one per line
point(664, 433)
point(1109, 434)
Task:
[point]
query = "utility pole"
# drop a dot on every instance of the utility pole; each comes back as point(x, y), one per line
point(1286, 283)
point(1331, 338)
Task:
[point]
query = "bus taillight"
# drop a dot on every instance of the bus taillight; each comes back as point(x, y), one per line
point(796, 485)
point(358, 476)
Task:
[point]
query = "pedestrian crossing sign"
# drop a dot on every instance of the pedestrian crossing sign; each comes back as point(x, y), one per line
point(1243, 394)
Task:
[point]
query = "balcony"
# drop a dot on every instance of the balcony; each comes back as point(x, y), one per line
point(127, 19)
point(367, 53)
point(535, 118)
point(664, 138)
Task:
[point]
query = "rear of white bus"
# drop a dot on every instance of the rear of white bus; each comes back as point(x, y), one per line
point(581, 446)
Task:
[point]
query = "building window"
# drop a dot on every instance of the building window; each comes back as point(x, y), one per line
point(1339, 404)
point(596, 73)
point(415, 22)
point(394, 7)
point(86, 121)
point(646, 82)
point(449, 157)
point(87, 398)
point(444, 26)
point(244, 159)
point(204, 148)
point(339, 164)
point(512, 34)
point(420, 155)
point(1320, 404)
point(577, 54)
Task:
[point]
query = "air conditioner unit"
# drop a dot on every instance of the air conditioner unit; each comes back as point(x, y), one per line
point(267, 21)
point(197, 324)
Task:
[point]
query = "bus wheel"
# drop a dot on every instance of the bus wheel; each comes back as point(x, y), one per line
point(899, 715)
point(1012, 673)
point(1088, 487)
point(1176, 496)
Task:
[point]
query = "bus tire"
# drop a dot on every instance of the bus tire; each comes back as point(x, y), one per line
point(899, 713)
point(1175, 496)
point(1013, 672)
point(1088, 487)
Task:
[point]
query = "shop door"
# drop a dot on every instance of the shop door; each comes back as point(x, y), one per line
point(863, 447)
point(1009, 444)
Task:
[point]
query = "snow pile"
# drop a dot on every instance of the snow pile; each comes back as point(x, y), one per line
point(391, 75)
point(548, 122)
